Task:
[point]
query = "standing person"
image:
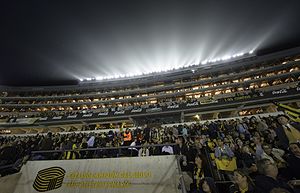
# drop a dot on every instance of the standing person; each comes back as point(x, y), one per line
point(147, 133)
point(46, 144)
point(242, 183)
point(133, 151)
point(83, 145)
point(144, 151)
point(127, 137)
point(91, 143)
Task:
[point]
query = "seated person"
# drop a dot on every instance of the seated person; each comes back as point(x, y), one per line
point(207, 185)
point(222, 151)
point(294, 161)
point(242, 183)
point(200, 171)
point(274, 155)
point(268, 179)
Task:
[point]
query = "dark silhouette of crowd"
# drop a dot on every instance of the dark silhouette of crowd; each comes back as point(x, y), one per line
point(262, 154)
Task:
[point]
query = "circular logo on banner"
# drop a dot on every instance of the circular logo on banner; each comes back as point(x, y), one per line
point(49, 179)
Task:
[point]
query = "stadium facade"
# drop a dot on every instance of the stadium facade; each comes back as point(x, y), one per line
point(240, 86)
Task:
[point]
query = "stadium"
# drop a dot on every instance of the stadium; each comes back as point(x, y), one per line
point(225, 124)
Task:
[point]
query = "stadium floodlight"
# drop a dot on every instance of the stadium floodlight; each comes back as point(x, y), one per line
point(166, 69)
point(204, 62)
point(241, 54)
point(80, 79)
point(226, 57)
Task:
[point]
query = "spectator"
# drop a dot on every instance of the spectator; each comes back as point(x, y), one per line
point(279, 190)
point(287, 132)
point(199, 171)
point(180, 148)
point(258, 147)
point(83, 145)
point(242, 128)
point(274, 155)
point(223, 151)
point(46, 144)
point(133, 151)
point(127, 137)
point(246, 158)
point(144, 151)
point(207, 185)
point(242, 182)
point(294, 161)
point(268, 179)
point(8, 154)
point(91, 141)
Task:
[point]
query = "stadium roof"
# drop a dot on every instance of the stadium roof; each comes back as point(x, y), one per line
point(47, 42)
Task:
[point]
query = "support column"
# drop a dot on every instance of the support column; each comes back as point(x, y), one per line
point(216, 115)
point(182, 117)
point(271, 109)
point(234, 114)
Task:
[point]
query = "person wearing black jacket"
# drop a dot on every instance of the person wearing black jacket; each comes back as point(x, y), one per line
point(181, 149)
point(268, 180)
point(46, 144)
point(294, 161)
point(199, 171)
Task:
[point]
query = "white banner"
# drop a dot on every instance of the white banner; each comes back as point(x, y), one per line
point(136, 110)
point(157, 174)
point(281, 91)
point(156, 109)
point(119, 113)
point(43, 118)
point(87, 115)
point(20, 121)
point(192, 104)
point(72, 116)
point(103, 114)
point(173, 106)
point(57, 118)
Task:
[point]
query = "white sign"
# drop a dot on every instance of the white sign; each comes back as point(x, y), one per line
point(72, 116)
point(119, 112)
point(56, 118)
point(192, 104)
point(173, 106)
point(87, 115)
point(103, 114)
point(157, 174)
point(281, 91)
point(136, 110)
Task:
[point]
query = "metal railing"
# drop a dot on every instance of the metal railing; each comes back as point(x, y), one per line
point(122, 151)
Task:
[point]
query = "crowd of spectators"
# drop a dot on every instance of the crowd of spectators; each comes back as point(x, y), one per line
point(266, 150)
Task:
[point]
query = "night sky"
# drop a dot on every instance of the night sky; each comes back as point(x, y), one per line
point(58, 42)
